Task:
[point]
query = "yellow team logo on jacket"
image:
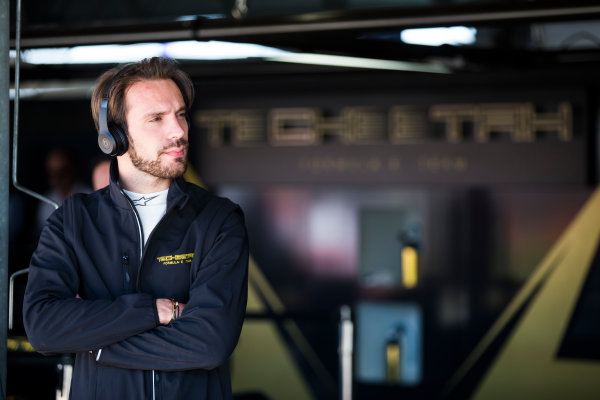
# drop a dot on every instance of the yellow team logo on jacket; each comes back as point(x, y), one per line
point(176, 259)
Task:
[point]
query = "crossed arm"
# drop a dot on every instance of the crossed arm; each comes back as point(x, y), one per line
point(135, 330)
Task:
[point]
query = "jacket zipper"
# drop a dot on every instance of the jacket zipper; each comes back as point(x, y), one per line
point(137, 284)
point(142, 253)
point(141, 242)
point(154, 373)
point(139, 224)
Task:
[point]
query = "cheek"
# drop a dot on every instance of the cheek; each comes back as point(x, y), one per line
point(143, 140)
point(133, 133)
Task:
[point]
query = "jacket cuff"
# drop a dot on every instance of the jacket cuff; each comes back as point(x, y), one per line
point(155, 311)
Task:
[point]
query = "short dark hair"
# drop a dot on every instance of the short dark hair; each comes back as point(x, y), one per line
point(124, 76)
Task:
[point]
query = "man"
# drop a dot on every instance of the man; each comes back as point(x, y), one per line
point(146, 279)
point(62, 169)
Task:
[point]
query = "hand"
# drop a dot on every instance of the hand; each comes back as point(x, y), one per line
point(165, 310)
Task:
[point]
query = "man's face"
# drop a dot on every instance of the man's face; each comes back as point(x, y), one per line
point(157, 128)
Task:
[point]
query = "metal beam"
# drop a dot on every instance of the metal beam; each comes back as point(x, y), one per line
point(4, 181)
point(257, 28)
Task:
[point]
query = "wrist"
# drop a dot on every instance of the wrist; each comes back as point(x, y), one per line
point(175, 311)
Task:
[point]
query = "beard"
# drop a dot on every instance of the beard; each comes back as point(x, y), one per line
point(155, 167)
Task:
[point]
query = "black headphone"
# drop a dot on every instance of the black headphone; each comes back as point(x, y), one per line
point(112, 138)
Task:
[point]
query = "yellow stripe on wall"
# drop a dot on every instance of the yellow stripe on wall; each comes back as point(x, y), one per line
point(527, 367)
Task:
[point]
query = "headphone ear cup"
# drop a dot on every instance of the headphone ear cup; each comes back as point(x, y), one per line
point(120, 138)
point(107, 143)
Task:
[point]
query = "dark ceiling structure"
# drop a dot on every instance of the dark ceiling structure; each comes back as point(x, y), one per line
point(509, 33)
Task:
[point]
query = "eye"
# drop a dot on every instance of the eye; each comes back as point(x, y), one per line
point(155, 119)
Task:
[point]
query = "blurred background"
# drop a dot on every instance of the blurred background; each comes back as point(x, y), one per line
point(418, 179)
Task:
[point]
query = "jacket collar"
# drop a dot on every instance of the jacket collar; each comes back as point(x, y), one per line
point(177, 195)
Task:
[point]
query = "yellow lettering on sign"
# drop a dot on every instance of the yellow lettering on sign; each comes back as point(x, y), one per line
point(398, 124)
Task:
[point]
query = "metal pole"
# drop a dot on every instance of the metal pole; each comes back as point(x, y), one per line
point(345, 352)
point(15, 153)
point(11, 295)
point(4, 180)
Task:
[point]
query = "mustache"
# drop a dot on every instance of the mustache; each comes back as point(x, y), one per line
point(176, 143)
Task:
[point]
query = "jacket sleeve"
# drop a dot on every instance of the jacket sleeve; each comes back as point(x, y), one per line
point(56, 321)
point(206, 333)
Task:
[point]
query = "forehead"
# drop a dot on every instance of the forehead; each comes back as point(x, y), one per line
point(145, 95)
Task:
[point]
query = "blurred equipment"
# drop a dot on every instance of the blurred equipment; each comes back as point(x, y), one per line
point(389, 247)
point(388, 338)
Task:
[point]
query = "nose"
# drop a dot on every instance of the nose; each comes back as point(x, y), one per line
point(177, 127)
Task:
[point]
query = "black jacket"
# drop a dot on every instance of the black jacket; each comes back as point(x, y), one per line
point(91, 247)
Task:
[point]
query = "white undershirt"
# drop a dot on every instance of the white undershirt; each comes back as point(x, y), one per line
point(150, 207)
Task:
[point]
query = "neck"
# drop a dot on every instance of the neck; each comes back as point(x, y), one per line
point(134, 180)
